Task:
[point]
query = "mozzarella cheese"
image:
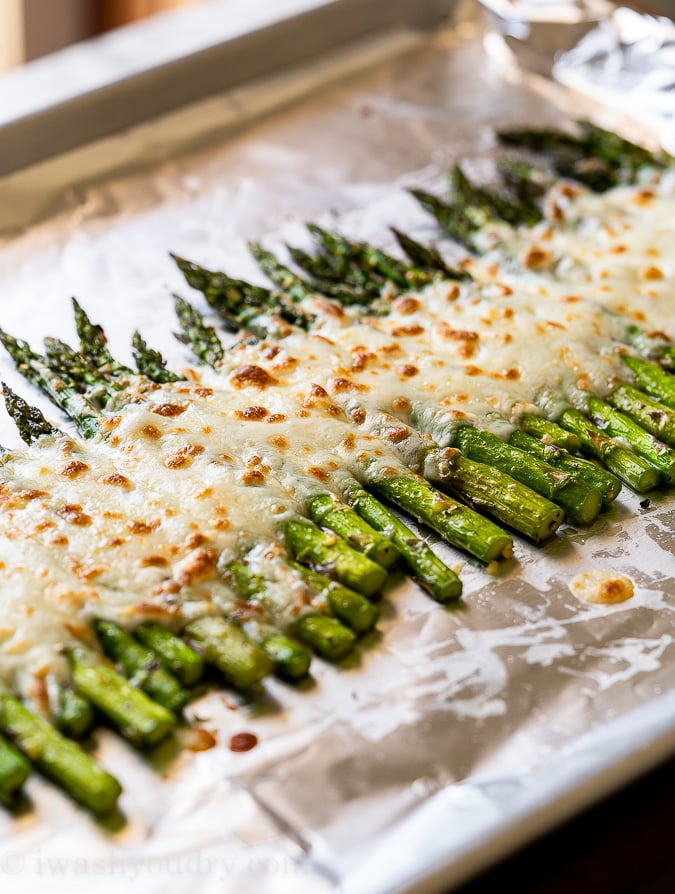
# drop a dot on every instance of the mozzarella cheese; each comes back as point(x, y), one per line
point(185, 477)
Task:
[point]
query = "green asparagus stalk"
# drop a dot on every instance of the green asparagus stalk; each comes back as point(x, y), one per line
point(62, 358)
point(339, 253)
point(618, 425)
point(580, 503)
point(200, 338)
point(348, 606)
point(29, 421)
point(549, 432)
point(290, 659)
point(652, 379)
point(654, 347)
point(596, 157)
point(94, 345)
point(328, 280)
point(490, 204)
point(650, 414)
point(14, 771)
point(450, 216)
point(458, 524)
point(330, 555)
point(327, 636)
point(634, 471)
point(427, 257)
point(223, 644)
point(61, 389)
point(487, 489)
point(419, 559)
point(329, 512)
point(139, 719)
point(292, 285)
point(238, 303)
point(141, 665)
point(498, 494)
point(607, 484)
point(173, 652)
point(73, 715)
point(150, 363)
point(62, 760)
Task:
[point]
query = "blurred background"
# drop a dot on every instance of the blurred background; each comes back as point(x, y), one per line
point(32, 28)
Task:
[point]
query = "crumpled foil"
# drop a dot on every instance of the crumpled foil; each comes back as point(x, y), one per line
point(461, 733)
point(622, 59)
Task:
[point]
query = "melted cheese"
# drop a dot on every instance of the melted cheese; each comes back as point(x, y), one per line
point(186, 477)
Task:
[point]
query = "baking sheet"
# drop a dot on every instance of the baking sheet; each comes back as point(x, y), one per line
point(461, 733)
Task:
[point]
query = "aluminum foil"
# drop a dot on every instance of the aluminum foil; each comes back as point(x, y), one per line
point(459, 733)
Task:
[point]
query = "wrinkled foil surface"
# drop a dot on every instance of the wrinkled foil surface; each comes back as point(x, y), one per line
point(463, 731)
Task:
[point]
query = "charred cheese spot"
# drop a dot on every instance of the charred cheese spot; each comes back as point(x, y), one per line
point(413, 329)
point(169, 410)
point(143, 528)
point(251, 376)
point(199, 565)
point(182, 457)
point(153, 562)
point(253, 413)
point(73, 468)
point(115, 479)
point(407, 370)
point(602, 586)
point(73, 514)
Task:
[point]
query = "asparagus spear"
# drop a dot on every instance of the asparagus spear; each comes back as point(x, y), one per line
point(200, 338)
point(490, 490)
point(580, 503)
point(328, 280)
point(652, 379)
point(618, 425)
point(14, 771)
point(549, 432)
point(290, 659)
point(607, 484)
point(329, 512)
point(61, 389)
point(150, 363)
point(238, 303)
point(634, 471)
point(74, 715)
point(29, 421)
point(141, 665)
point(292, 285)
point(94, 344)
point(221, 643)
point(329, 554)
point(139, 719)
point(325, 635)
point(650, 414)
point(59, 758)
point(348, 606)
point(174, 653)
point(419, 559)
point(450, 216)
point(338, 252)
point(458, 524)
point(491, 204)
point(427, 257)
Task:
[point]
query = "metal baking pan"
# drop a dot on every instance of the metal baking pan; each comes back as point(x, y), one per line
point(462, 734)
